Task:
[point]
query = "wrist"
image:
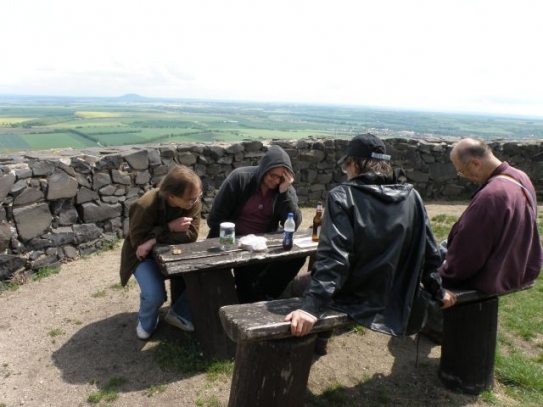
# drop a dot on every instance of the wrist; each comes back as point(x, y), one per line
point(313, 317)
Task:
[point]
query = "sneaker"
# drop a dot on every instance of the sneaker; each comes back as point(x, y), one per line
point(142, 333)
point(178, 321)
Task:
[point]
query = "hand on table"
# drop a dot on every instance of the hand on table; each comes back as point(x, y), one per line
point(144, 249)
point(449, 299)
point(301, 322)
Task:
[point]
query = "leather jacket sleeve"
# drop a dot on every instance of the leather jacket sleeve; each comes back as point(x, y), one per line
point(431, 280)
point(333, 260)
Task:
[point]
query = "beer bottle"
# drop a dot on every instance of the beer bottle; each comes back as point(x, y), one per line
point(317, 223)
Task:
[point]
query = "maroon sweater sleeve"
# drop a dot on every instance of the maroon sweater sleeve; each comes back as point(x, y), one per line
point(470, 241)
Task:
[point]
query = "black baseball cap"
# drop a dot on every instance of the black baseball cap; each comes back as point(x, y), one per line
point(366, 146)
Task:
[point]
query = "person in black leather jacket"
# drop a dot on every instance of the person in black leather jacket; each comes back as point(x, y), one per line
point(375, 249)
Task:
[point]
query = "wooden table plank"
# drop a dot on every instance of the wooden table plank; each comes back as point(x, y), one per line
point(206, 255)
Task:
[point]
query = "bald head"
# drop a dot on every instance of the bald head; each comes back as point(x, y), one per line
point(469, 148)
point(474, 160)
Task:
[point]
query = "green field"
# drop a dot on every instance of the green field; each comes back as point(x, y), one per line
point(37, 123)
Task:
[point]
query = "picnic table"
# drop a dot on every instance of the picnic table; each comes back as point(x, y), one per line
point(207, 272)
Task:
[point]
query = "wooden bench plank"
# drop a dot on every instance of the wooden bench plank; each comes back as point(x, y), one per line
point(466, 296)
point(266, 320)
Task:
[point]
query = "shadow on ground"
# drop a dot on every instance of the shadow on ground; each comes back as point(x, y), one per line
point(413, 381)
point(109, 349)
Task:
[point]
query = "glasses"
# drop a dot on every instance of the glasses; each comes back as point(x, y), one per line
point(193, 201)
point(275, 177)
point(462, 172)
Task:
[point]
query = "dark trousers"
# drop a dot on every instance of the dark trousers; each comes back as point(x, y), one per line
point(261, 282)
point(296, 288)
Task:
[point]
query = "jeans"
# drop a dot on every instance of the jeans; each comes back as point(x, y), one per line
point(153, 295)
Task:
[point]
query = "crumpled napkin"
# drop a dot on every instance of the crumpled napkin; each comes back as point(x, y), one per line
point(253, 243)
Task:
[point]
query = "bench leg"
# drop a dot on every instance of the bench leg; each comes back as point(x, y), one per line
point(468, 346)
point(208, 291)
point(272, 373)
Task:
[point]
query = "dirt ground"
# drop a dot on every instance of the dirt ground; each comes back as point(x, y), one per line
point(64, 337)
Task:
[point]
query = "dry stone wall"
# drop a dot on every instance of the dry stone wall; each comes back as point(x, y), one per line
point(60, 205)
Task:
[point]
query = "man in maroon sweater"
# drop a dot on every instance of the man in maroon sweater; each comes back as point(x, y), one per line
point(495, 246)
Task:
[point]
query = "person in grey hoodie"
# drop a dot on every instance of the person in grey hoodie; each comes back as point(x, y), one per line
point(258, 199)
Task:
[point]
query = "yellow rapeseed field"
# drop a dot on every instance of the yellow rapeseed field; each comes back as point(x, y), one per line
point(96, 115)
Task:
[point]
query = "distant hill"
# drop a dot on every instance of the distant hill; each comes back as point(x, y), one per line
point(132, 97)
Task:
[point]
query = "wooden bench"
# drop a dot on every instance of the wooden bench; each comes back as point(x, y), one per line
point(272, 367)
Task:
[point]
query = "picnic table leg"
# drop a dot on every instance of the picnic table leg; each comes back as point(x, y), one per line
point(208, 291)
point(468, 346)
point(272, 373)
point(177, 286)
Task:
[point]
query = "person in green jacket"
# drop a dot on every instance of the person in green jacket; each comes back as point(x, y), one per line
point(169, 214)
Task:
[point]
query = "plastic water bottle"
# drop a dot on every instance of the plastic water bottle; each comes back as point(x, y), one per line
point(288, 235)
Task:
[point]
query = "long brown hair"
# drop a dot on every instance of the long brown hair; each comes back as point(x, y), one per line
point(177, 181)
point(364, 165)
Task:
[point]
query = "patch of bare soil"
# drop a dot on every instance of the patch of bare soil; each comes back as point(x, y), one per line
point(65, 337)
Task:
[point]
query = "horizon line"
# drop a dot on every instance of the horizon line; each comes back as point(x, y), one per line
point(135, 96)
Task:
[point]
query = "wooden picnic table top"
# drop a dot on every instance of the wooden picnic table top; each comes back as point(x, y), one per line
point(206, 254)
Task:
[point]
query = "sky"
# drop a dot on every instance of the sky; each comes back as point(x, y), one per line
point(445, 55)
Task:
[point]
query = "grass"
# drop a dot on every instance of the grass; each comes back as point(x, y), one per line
point(8, 286)
point(521, 314)
point(181, 355)
point(107, 246)
point(521, 377)
point(154, 390)
point(334, 395)
point(441, 225)
point(211, 401)
point(18, 279)
point(110, 391)
point(520, 333)
point(44, 272)
point(55, 332)
point(519, 359)
point(99, 294)
point(220, 370)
